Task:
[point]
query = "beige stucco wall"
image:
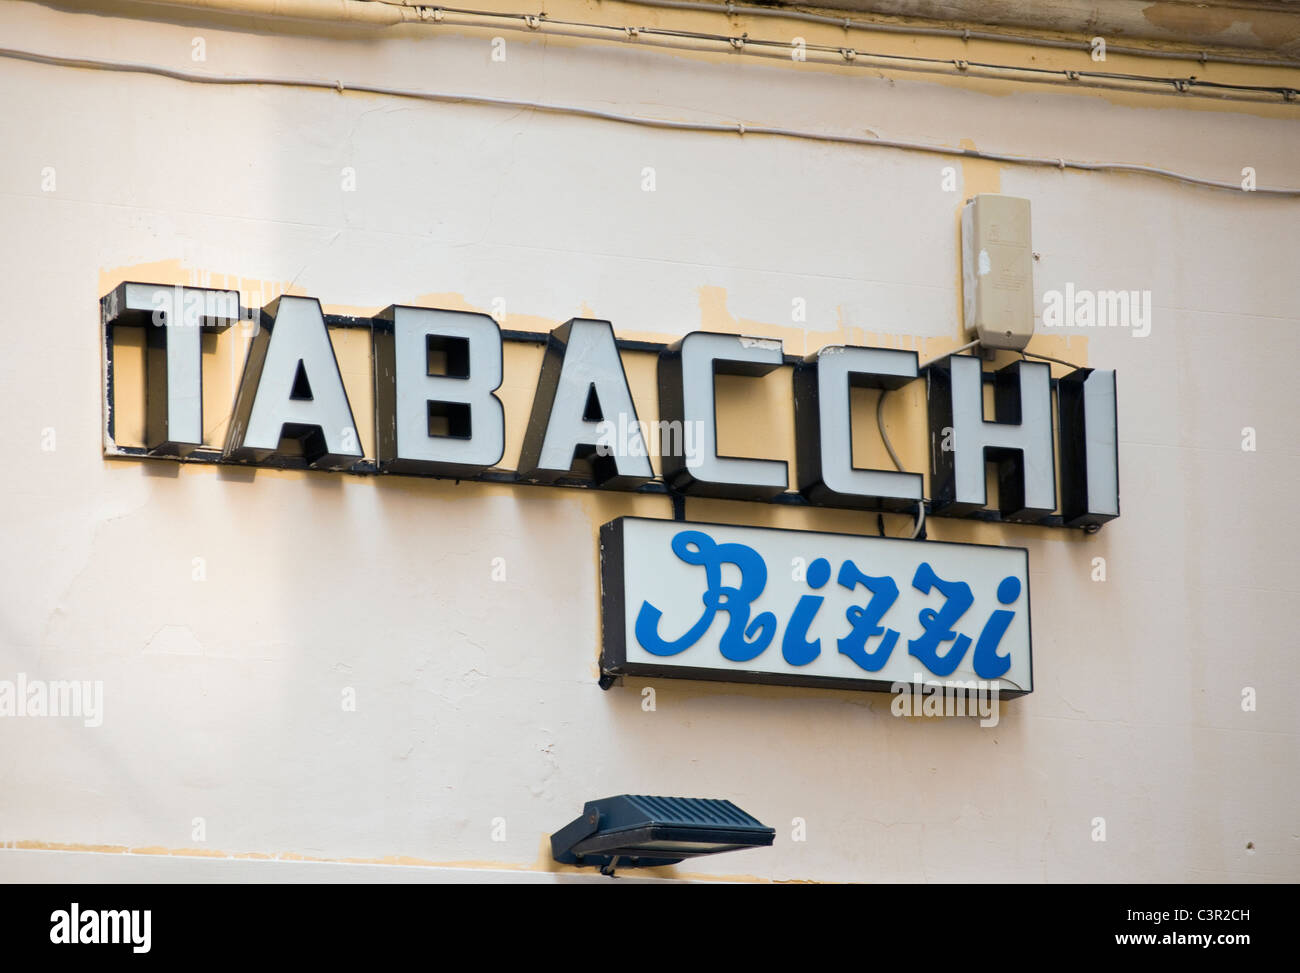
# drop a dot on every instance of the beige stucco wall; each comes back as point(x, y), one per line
point(476, 699)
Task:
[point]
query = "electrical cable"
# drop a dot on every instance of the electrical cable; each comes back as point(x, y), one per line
point(958, 33)
point(745, 44)
point(880, 424)
point(738, 128)
point(880, 402)
point(898, 463)
point(889, 446)
point(1059, 361)
point(956, 351)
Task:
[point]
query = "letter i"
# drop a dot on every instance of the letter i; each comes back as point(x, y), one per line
point(795, 647)
point(988, 664)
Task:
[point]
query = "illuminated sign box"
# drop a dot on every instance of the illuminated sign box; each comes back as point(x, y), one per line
point(799, 608)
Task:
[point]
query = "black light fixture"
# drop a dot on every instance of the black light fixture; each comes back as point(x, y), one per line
point(637, 831)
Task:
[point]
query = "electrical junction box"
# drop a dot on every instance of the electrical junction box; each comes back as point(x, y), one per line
point(997, 270)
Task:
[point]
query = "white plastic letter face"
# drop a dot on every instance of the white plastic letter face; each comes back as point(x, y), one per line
point(584, 423)
point(824, 432)
point(1019, 439)
point(292, 389)
point(1086, 404)
point(687, 397)
point(436, 373)
point(174, 319)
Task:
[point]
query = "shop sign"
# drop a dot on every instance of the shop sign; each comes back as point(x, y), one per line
point(436, 375)
point(800, 608)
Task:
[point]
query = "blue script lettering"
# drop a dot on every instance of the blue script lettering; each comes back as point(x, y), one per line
point(988, 664)
point(866, 619)
point(938, 625)
point(742, 640)
point(745, 638)
point(795, 647)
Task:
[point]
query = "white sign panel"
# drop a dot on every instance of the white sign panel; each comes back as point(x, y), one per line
point(792, 607)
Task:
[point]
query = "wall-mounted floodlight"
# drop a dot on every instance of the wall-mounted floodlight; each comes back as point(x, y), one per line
point(635, 831)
